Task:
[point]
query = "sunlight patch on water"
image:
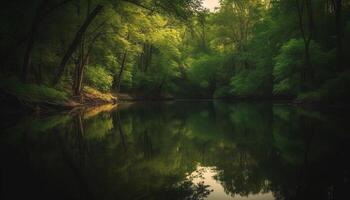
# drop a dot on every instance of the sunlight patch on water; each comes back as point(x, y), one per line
point(206, 176)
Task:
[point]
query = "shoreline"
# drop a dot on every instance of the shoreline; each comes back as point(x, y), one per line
point(13, 104)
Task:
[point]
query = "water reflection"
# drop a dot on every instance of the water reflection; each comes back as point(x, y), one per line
point(208, 176)
point(182, 150)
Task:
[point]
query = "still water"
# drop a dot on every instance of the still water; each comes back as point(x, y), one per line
point(177, 150)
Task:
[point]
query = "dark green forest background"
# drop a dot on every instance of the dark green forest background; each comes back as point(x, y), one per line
point(58, 49)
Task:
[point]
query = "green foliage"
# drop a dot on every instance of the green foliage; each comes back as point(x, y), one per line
point(286, 87)
point(250, 48)
point(203, 72)
point(248, 83)
point(32, 92)
point(162, 66)
point(337, 89)
point(98, 77)
point(310, 97)
point(290, 63)
point(222, 92)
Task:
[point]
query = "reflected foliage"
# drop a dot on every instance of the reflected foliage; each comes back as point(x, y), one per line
point(148, 151)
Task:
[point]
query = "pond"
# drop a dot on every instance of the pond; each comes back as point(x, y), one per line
point(178, 150)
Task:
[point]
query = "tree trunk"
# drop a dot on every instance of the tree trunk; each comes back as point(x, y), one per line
point(41, 13)
point(311, 35)
point(79, 67)
point(27, 62)
point(117, 79)
point(76, 41)
point(38, 74)
point(339, 32)
point(307, 70)
point(28, 56)
point(145, 57)
point(148, 57)
point(81, 74)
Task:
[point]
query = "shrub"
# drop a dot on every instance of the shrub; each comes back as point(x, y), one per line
point(250, 83)
point(99, 78)
point(32, 92)
point(290, 61)
point(337, 89)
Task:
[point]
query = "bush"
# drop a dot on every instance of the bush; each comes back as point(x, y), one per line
point(249, 83)
point(203, 73)
point(286, 86)
point(337, 89)
point(310, 97)
point(32, 92)
point(222, 92)
point(287, 68)
point(99, 78)
point(290, 62)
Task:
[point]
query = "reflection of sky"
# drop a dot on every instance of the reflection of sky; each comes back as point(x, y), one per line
point(207, 174)
point(211, 4)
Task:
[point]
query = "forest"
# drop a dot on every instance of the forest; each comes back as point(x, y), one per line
point(175, 99)
point(61, 50)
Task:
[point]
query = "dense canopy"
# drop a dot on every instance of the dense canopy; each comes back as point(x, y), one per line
point(179, 49)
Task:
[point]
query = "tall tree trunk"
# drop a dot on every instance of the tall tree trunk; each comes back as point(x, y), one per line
point(339, 32)
point(145, 57)
point(118, 77)
point(311, 36)
point(82, 63)
point(79, 68)
point(27, 62)
point(76, 41)
point(81, 74)
point(148, 57)
point(307, 70)
point(28, 57)
point(38, 74)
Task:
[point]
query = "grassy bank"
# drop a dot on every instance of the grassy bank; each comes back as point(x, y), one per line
point(16, 94)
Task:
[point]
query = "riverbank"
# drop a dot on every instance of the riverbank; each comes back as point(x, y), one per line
point(16, 96)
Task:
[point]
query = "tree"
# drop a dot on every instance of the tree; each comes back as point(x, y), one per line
point(338, 6)
point(307, 35)
point(42, 12)
point(76, 41)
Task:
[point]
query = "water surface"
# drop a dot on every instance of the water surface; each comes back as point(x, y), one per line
point(178, 150)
